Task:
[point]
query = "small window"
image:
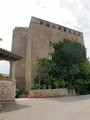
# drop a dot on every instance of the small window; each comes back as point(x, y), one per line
point(50, 56)
point(69, 31)
point(64, 29)
point(41, 23)
point(59, 28)
point(48, 25)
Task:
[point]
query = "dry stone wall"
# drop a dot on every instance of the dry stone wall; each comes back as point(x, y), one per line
point(7, 90)
point(51, 93)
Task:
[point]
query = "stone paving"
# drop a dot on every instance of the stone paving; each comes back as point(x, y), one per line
point(61, 108)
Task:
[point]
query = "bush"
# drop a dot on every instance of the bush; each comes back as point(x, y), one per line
point(22, 91)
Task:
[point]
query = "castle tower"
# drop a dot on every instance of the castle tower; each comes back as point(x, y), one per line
point(34, 42)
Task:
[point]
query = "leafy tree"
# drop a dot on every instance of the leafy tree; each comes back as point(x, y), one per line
point(44, 68)
point(69, 55)
point(85, 70)
point(68, 68)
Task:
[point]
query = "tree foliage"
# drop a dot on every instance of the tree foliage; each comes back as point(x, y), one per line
point(69, 55)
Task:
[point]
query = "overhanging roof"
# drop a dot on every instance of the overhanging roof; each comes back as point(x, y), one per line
point(9, 56)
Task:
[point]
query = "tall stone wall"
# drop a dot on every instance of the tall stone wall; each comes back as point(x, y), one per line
point(42, 33)
point(7, 90)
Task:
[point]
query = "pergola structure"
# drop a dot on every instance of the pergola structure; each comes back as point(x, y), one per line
point(9, 56)
point(9, 86)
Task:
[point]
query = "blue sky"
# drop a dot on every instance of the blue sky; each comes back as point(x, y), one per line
point(71, 13)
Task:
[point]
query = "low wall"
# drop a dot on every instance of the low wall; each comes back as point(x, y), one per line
point(7, 90)
point(50, 93)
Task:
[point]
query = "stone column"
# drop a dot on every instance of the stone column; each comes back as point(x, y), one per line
point(12, 75)
point(12, 71)
point(28, 63)
point(1, 109)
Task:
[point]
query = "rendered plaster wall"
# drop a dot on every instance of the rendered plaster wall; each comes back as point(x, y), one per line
point(7, 90)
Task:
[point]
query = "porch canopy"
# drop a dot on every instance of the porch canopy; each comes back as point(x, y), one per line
point(9, 56)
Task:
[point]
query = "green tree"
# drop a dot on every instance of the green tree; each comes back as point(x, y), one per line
point(69, 55)
point(44, 69)
point(85, 70)
point(69, 68)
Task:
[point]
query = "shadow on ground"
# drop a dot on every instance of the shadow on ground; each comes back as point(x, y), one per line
point(71, 98)
point(9, 106)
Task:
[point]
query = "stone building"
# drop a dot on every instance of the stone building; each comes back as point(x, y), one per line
point(34, 42)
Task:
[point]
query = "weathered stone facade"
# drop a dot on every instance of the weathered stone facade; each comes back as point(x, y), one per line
point(34, 42)
point(7, 90)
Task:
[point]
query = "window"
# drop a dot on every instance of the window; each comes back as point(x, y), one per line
point(59, 28)
point(64, 29)
point(41, 23)
point(69, 31)
point(50, 56)
point(48, 25)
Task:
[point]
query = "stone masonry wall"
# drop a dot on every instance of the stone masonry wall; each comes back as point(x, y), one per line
point(19, 47)
point(7, 90)
point(50, 93)
point(40, 34)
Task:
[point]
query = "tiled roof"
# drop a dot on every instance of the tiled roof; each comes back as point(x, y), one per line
point(9, 56)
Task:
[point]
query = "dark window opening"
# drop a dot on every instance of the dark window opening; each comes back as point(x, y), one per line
point(64, 29)
point(48, 25)
point(59, 28)
point(41, 23)
point(69, 31)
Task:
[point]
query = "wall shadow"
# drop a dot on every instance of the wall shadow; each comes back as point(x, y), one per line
point(9, 106)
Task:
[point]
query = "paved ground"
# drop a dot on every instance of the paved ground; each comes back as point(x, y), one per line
point(62, 108)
